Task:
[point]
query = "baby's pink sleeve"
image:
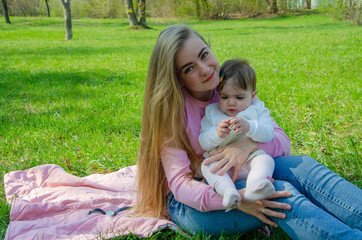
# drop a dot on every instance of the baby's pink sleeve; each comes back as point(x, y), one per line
point(186, 190)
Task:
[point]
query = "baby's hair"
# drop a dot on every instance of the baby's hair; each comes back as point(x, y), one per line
point(239, 71)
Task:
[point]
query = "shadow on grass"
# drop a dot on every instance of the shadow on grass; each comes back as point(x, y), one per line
point(170, 234)
point(74, 51)
point(16, 81)
point(316, 26)
point(57, 21)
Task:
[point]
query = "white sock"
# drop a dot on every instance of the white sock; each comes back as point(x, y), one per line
point(257, 186)
point(223, 185)
point(231, 198)
point(258, 190)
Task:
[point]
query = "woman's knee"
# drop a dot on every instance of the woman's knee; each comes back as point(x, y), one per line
point(286, 186)
point(295, 167)
point(283, 186)
point(295, 160)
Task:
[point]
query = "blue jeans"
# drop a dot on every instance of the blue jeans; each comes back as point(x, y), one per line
point(324, 205)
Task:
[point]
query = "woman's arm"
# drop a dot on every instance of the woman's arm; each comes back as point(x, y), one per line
point(195, 194)
point(279, 145)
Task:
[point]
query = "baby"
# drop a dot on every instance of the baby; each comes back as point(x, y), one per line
point(238, 113)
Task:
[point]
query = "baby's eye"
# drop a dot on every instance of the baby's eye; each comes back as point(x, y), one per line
point(224, 97)
point(240, 98)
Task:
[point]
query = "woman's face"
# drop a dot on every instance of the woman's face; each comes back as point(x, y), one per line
point(197, 68)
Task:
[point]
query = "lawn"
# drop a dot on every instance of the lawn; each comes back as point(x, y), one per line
point(78, 103)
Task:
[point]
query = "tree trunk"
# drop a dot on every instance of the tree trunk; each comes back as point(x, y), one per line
point(68, 19)
point(272, 6)
point(175, 7)
point(6, 12)
point(205, 8)
point(48, 9)
point(309, 4)
point(130, 13)
point(198, 8)
point(142, 13)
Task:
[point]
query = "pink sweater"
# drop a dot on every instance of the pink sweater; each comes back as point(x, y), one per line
point(177, 164)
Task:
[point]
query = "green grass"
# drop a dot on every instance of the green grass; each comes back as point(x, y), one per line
point(78, 103)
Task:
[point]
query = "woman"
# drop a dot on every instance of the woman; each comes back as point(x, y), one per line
point(311, 201)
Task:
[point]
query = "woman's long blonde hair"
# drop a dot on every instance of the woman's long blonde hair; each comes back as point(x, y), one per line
point(163, 120)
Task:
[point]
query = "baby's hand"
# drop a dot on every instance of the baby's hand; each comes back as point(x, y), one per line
point(239, 124)
point(223, 129)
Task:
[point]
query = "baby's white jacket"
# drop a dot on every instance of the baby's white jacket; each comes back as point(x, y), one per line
point(258, 116)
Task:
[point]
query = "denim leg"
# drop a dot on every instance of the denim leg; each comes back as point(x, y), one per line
point(213, 223)
point(304, 221)
point(322, 187)
point(308, 221)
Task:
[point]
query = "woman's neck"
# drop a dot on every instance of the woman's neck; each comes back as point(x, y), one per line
point(203, 96)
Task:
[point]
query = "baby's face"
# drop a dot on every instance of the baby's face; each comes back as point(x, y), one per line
point(233, 100)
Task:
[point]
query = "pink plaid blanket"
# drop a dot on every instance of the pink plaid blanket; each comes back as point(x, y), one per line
point(48, 203)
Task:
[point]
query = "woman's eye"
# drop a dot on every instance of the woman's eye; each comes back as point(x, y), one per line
point(188, 69)
point(204, 55)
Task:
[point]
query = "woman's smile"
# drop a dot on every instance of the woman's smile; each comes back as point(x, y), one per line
point(210, 77)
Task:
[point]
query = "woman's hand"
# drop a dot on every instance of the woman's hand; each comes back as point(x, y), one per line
point(261, 209)
point(232, 156)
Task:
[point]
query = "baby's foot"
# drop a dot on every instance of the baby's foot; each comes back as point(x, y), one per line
point(259, 190)
point(231, 197)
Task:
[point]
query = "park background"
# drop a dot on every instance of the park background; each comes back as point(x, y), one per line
point(78, 103)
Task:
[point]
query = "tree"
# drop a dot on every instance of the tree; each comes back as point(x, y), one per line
point(198, 8)
point(133, 21)
point(48, 9)
point(202, 8)
point(308, 4)
point(205, 7)
point(354, 10)
point(7, 19)
point(68, 19)
point(272, 6)
point(142, 12)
